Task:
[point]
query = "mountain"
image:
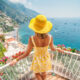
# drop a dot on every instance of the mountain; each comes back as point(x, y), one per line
point(17, 11)
point(22, 9)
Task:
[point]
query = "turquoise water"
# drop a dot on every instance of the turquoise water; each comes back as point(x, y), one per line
point(65, 31)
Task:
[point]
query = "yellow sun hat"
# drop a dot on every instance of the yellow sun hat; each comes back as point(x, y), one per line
point(40, 24)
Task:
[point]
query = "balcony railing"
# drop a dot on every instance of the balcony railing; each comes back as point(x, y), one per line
point(66, 65)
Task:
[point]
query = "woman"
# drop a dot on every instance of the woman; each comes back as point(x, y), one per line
point(40, 41)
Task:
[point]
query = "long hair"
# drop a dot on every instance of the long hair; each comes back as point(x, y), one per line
point(42, 36)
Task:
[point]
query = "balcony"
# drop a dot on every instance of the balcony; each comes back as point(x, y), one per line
point(66, 65)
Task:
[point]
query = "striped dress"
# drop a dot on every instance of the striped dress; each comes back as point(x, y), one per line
point(41, 59)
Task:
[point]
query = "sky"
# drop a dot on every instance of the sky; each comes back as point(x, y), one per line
point(53, 8)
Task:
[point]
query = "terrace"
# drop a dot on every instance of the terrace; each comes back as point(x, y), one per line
point(65, 65)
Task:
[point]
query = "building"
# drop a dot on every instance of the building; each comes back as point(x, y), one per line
point(1, 31)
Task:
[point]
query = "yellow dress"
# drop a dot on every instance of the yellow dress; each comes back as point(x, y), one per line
point(41, 59)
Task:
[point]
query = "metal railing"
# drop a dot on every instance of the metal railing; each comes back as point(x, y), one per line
point(66, 65)
point(20, 71)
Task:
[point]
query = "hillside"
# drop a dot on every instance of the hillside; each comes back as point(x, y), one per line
point(6, 23)
point(17, 11)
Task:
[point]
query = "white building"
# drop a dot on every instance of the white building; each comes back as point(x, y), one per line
point(1, 31)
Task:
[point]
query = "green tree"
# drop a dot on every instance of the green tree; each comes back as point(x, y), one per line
point(2, 50)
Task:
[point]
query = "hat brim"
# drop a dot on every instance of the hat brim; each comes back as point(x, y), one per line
point(47, 28)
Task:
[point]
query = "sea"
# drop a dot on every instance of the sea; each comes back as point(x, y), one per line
point(65, 31)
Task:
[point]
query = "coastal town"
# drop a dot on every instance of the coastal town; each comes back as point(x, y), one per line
point(9, 35)
point(6, 23)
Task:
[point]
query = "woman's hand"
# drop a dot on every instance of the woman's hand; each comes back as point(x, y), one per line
point(13, 62)
point(60, 50)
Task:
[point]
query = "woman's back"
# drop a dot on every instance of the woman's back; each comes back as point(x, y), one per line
point(41, 42)
point(41, 56)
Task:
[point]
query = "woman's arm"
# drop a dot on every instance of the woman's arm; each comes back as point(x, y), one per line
point(28, 50)
point(53, 47)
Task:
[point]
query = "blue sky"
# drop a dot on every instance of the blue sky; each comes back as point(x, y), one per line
point(53, 8)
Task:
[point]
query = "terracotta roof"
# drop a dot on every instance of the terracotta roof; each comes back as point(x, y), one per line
point(10, 39)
